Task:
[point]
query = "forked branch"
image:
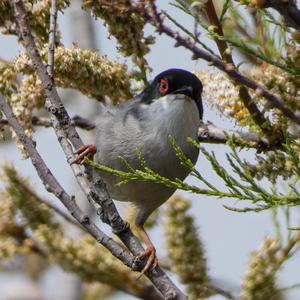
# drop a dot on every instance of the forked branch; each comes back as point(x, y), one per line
point(155, 18)
point(66, 133)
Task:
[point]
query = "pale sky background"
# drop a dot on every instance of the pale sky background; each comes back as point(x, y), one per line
point(229, 237)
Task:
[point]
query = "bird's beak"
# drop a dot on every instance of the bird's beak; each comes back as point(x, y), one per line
point(186, 90)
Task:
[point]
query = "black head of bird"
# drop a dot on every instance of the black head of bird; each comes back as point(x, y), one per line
point(175, 81)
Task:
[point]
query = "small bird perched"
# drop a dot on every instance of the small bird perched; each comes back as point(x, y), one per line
point(170, 106)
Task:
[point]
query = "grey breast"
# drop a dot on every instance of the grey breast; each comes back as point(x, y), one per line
point(122, 131)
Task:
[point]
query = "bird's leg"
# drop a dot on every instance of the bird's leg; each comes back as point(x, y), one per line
point(150, 251)
point(85, 151)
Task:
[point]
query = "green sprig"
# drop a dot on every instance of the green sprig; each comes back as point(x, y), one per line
point(243, 186)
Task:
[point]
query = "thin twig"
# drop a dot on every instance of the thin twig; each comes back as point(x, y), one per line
point(288, 9)
point(83, 123)
point(65, 216)
point(287, 288)
point(255, 113)
point(22, 237)
point(52, 30)
point(4, 61)
point(286, 252)
point(49, 205)
point(207, 133)
point(67, 133)
point(274, 101)
point(220, 291)
point(78, 121)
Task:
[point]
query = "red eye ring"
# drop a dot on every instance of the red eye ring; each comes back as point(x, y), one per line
point(164, 86)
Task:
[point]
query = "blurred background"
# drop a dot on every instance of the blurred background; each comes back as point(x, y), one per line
point(229, 237)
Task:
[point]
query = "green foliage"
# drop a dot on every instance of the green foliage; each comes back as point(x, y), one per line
point(241, 186)
point(254, 47)
point(259, 53)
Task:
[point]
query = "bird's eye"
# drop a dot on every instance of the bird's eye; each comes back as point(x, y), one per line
point(164, 86)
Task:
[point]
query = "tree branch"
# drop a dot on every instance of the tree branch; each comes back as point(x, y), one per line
point(20, 234)
point(64, 215)
point(244, 95)
point(52, 185)
point(209, 133)
point(274, 101)
point(77, 121)
point(4, 61)
point(220, 291)
point(52, 30)
point(66, 133)
point(61, 121)
point(288, 9)
point(286, 252)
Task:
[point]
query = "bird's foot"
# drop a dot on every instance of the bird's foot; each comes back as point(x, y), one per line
point(85, 151)
point(152, 261)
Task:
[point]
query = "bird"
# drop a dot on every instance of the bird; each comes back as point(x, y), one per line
point(171, 105)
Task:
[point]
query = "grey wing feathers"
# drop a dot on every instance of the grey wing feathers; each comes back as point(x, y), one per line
point(117, 130)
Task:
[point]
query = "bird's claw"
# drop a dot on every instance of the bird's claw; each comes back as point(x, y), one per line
point(152, 261)
point(83, 152)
